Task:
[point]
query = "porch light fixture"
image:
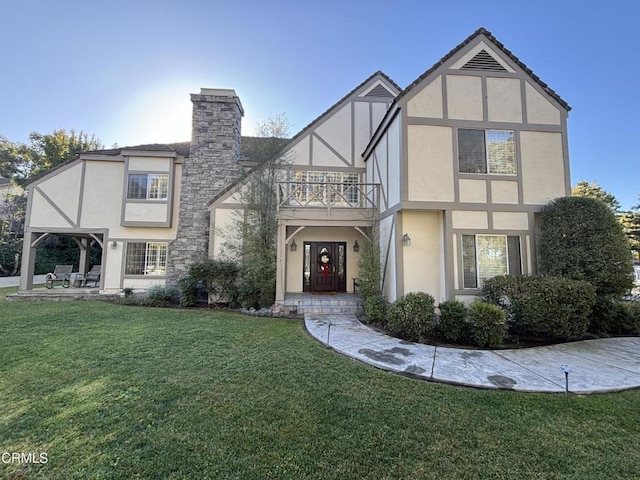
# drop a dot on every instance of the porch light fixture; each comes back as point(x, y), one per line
point(406, 240)
point(356, 247)
point(114, 244)
point(293, 247)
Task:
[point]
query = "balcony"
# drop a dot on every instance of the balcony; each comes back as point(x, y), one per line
point(328, 195)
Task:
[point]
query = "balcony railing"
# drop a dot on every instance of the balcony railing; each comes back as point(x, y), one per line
point(328, 195)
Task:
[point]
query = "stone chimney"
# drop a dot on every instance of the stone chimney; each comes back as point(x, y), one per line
point(213, 164)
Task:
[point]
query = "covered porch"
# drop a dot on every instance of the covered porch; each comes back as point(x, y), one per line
point(86, 240)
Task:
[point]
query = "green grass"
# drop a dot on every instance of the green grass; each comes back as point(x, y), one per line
point(110, 391)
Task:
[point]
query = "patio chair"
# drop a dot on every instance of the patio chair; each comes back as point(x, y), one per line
point(93, 275)
point(61, 273)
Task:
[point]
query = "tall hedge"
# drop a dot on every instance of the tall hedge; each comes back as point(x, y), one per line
point(580, 239)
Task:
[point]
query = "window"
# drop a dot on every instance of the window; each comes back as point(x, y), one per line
point(146, 258)
point(486, 151)
point(486, 256)
point(148, 186)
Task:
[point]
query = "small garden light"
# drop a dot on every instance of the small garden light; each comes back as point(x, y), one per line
point(566, 370)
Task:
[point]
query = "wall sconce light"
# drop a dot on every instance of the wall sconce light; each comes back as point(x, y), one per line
point(406, 240)
point(356, 247)
point(114, 244)
point(293, 247)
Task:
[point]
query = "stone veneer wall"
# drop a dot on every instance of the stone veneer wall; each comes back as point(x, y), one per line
point(211, 167)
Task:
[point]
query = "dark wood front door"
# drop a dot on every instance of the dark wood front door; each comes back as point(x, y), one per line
point(327, 264)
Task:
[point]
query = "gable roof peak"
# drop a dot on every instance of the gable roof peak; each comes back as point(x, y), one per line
point(502, 48)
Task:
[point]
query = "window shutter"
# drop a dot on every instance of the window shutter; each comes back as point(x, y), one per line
point(471, 151)
point(513, 253)
point(470, 275)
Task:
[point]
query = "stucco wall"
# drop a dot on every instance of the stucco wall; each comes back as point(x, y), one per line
point(423, 260)
point(430, 168)
point(543, 174)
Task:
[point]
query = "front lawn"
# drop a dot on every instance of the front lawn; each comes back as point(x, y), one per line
point(110, 391)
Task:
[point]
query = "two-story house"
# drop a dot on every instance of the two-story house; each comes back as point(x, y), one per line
point(452, 170)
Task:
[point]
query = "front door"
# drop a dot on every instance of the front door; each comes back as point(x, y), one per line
point(326, 266)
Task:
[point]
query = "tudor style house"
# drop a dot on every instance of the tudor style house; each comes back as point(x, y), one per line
point(452, 169)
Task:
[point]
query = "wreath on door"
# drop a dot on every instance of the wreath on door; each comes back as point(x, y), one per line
point(324, 260)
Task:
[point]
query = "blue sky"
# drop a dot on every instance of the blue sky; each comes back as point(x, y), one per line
point(124, 70)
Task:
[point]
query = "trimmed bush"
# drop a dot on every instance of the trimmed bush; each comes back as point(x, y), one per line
point(615, 317)
point(411, 316)
point(542, 307)
point(487, 326)
point(161, 295)
point(376, 309)
point(552, 308)
point(453, 326)
point(501, 289)
point(581, 239)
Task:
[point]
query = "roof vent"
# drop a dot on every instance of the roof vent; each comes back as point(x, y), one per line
point(379, 91)
point(483, 61)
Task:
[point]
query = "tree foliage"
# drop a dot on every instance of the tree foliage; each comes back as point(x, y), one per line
point(19, 161)
point(630, 221)
point(12, 212)
point(593, 190)
point(255, 226)
point(369, 266)
point(580, 239)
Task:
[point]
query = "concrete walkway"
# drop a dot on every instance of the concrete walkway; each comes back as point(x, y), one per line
point(605, 365)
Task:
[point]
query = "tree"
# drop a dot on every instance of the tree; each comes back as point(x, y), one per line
point(593, 190)
point(630, 221)
point(20, 162)
point(256, 224)
point(12, 211)
point(580, 239)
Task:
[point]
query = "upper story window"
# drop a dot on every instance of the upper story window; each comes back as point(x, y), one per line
point(487, 151)
point(148, 186)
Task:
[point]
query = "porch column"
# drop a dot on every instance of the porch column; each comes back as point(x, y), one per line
point(28, 262)
point(83, 266)
point(281, 266)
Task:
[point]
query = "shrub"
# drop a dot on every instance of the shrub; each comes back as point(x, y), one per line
point(615, 317)
point(257, 285)
point(376, 308)
point(369, 267)
point(487, 326)
point(161, 295)
point(551, 307)
point(453, 325)
point(499, 290)
point(580, 239)
point(411, 316)
point(219, 278)
point(542, 306)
